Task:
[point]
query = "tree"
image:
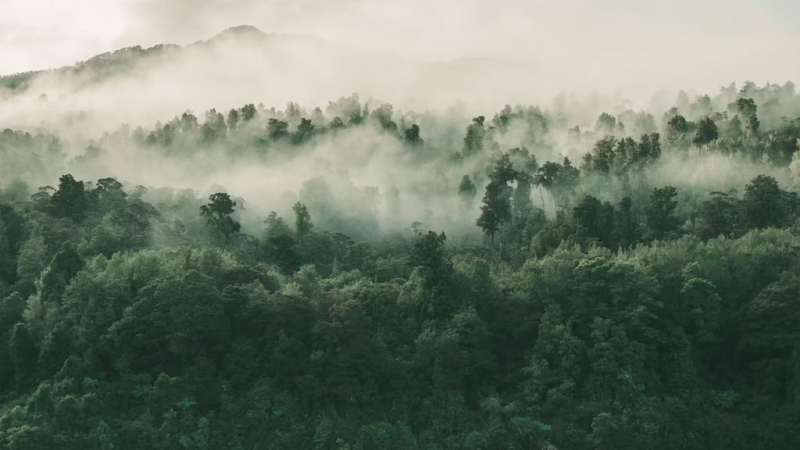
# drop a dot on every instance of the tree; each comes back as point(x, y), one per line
point(678, 129)
point(559, 179)
point(747, 108)
point(706, 132)
point(383, 116)
point(521, 198)
point(412, 136)
point(523, 160)
point(214, 128)
point(70, 199)
point(249, 112)
point(765, 204)
point(718, 216)
point(660, 212)
point(62, 269)
point(280, 244)
point(108, 195)
point(305, 130)
point(218, 215)
point(467, 190)
point(606, 124)
point(602, 157)
point(22, 351)
point(627, 231)
point(277, 129)
point(175, 320)
point(12, 236)
point(302, 221)
point(496, 208)
point(473, 141)
point(597, 218)
point(428, 256)
point(233, 119)
point(698, 309)
point(648, 150)
point(11, 313)
point(337, 124)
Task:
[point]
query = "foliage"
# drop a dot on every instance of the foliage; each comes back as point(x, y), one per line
point(631, 310)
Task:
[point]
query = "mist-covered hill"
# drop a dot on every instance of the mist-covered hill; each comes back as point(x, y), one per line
point(137, 85)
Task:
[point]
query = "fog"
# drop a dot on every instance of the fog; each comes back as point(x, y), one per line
point(437, 65)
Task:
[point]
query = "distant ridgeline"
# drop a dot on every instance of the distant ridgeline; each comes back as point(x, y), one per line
point(630, 285)
point(120, 62)
point(98, 68)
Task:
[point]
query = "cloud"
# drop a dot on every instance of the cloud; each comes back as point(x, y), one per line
point(605, 45)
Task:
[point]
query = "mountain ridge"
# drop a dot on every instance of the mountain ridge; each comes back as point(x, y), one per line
point(125, 58)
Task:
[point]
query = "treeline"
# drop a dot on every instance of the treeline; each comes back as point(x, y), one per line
point(758, 123)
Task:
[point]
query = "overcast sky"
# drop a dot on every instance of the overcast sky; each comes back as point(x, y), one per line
point(693, 43)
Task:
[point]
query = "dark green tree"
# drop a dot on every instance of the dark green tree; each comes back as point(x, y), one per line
point(23, 354)
point(12, 235)
point(249, 112)
point(627, 228)
point(429, 257)
point(70, 199)
point(678, 130)
point(597, 218)
point(765, 204)
point(305, 130)
point(62, 269)
point(705, 133)
point(412, 136)
point(277, 129)
point(521, 198)
point(218, 214)
point(496, 208)
point(302, 222)
point(559, 179)
point(473, 141)
point(718, 216)
point(747, 108)
point(660, 212)
point(233, 120)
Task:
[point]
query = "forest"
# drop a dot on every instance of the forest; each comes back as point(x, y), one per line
point(359, 277)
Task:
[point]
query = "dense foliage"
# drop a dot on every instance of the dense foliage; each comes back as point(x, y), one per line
point(569, 305)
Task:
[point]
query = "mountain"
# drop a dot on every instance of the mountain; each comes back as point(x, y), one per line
point(123, 61)
point(95, 69)
point(243, 65)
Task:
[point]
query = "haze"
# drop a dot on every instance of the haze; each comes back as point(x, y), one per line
point(581, 44)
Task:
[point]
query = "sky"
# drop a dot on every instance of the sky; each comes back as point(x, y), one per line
point(692, 43)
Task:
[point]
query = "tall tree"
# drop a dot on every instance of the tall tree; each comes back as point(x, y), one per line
point(706, 132)
point(678, 129)
point(765, 204)
point(218, 214)
point(302, 220)
point(660, 212)
point(627, 231)
point(70, 199)
point(597, 218)
point(748, 109)
point(496, 208)
point(473, 141)
point(718, 216)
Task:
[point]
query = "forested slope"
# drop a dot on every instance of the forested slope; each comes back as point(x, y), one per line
point(516, 282)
